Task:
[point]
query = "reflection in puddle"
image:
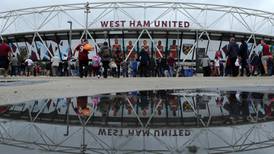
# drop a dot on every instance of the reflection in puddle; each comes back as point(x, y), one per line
point(144, 121)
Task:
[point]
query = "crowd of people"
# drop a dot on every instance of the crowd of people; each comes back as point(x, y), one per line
point(240, 61)
point(111, 60)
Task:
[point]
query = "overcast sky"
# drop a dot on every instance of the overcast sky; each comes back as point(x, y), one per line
point(267, 5)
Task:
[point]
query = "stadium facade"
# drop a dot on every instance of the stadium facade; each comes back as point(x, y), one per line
point(48, 31)
point(44, 32)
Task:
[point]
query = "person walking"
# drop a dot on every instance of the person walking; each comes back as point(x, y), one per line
point(117, 55)
point(14, 65)
point(133, 65)
point(82, 58)
point(29, 64)
point(266, 56)
point(171, 65)
point(243, 54)
point(96, 65)
point(5, 53)
point(206, 66)
point(233, 51)
point(217, 66)
point(124, 66)
point(144, 63)
point(55, 62)
point(65, 69)
point(255, 63)
point(105, 58)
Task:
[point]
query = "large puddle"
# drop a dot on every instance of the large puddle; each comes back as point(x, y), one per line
point(164, 121)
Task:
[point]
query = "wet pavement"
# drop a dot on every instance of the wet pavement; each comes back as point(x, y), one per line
point(158, 108)
point(201, 120)
point(5, 83)
point(68, 87)
point(137, 115)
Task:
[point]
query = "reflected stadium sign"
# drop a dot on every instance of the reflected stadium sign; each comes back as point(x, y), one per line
point(143, 132)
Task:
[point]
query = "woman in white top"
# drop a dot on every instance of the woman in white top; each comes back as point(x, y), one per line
point(29, 64)
point(217, 65)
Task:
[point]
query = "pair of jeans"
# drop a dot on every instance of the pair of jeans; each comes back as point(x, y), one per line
point(170, 71)
point(14, 70)
point(245, 67)
point(105, 66)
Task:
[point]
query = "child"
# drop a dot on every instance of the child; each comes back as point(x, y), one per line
point(237, 66)
point(134, 67)
point(96, 65)
point(125, 68)
point(113, 67)
point(36, 69)
point(255, 62)
point(217, 65)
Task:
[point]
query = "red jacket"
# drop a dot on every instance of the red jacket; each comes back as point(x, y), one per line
point(4, 50)
point(83, 54)
point(266, 51)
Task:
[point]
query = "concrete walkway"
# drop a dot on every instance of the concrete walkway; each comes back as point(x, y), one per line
point(72, 86)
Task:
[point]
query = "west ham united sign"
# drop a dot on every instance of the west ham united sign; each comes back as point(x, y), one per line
point(144, 24)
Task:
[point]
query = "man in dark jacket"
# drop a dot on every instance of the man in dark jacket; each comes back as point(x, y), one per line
point(243, 54)
point(144, 63)
point(233, 50)
point(82, 58)
point(105, 58)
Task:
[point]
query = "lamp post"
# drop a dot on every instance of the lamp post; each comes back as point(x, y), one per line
point(70, 35)
point(70, 48)
point(87, 11)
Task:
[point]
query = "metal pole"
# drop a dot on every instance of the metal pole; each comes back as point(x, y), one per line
point(123, 44)
point(59, 50)
point(70, 36)
point(87, 12)
point(207, 46)
point(83, 145)
point(221, 42)
point(197, 46)
point(44, 44)
point(92, 39)
point(181, 45)
point(67, 114)
point(33, 41)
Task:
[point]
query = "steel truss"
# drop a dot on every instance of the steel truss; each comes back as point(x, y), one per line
point(203, 18)
point(240, 15)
